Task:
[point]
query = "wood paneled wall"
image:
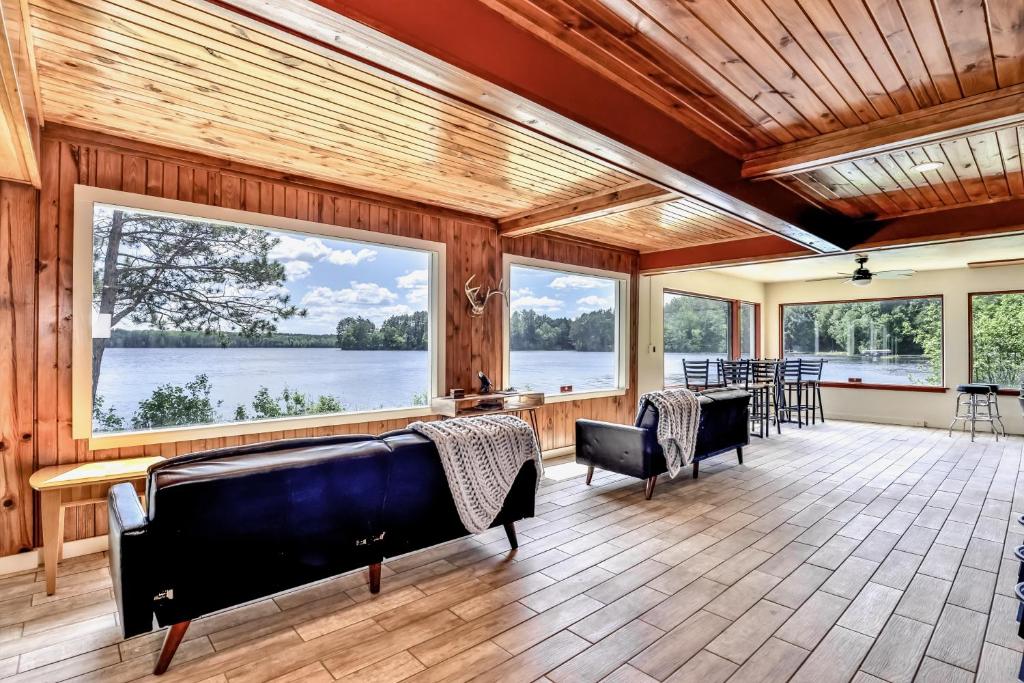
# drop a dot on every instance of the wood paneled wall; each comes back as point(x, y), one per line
point(36, 302)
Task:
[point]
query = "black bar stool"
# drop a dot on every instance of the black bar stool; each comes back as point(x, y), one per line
point(978, 403)
point(697, 375)
point(766, 387)
point(810, 377)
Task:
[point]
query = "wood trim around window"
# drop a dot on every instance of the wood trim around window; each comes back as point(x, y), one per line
point(735, 307)
point(85, 199)
point(923, 388)
point(926, 388)
point(1003, 391)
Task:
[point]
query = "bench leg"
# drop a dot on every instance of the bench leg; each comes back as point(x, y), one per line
point(590, 474)
point(51, 514)
point(649, 487)
point(739, 453)
point(510, 531)
point(171, 642)
point(374, 570)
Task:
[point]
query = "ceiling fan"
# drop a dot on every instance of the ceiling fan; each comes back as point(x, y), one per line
point(862, 276)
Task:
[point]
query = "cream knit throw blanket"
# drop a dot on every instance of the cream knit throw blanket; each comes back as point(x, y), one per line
point(481, 456)
point(678, 420)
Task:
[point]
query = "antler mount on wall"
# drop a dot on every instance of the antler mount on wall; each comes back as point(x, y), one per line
point(477, 301)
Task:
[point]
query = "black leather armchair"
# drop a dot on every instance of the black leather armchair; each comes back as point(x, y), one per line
point(634, 450)
point(228, 526)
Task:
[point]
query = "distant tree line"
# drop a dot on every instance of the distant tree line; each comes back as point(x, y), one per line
point(997, 327)
point(176, 339)
point(407, 332)
point(696, 324)
point(533, 331)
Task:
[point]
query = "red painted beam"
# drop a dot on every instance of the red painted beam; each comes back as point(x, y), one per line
point(948, 224)
point(472, 37)
point(751, 250)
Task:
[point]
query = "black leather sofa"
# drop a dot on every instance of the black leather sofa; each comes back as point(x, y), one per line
point(634, 450)
point(228, 526)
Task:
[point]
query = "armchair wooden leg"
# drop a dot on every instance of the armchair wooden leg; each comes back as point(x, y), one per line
point(171, 642)
point(696, 468)
point(510, 531)
point(590, 474)
point(649, 487)
point(739, 454)
point(374, 570)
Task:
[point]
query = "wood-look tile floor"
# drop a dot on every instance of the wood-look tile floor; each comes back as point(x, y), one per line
point(839, 552)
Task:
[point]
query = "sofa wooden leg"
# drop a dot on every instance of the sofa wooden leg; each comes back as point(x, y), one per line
point(510, 531)
point(649, 487)
point(696, 468)
point(374, 570)
point(739, 454)
point(171, 642)
point(590, 474)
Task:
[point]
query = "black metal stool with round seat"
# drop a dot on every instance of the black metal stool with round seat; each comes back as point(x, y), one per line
point(978, 403)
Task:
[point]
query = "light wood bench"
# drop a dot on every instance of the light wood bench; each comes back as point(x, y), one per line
point(86, 483)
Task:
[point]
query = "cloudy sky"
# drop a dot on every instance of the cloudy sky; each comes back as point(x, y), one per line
point(560, 295)
point(333, 279)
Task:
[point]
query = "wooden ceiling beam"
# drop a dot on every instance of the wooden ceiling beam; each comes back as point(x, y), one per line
point(970, 116)
point(626, 197)
point(459, 48)
point(752, 250)
point(20, 116)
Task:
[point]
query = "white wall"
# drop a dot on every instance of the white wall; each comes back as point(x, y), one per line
point(903, 407)
point(650, 356)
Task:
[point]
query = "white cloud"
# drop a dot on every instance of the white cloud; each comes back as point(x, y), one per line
point(350, 258)
point(361, 293)
point(594, 301)
point(296, 270)
point(327, 306)
point(412, 279)
point(291, 248)
point(576, 282)
point(417, 297)
point(415, 285)
point(525, 298)
point(294, 248)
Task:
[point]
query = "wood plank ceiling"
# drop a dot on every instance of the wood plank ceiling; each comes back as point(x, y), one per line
point(194, 76)
point(669, 225)
point(751, 75)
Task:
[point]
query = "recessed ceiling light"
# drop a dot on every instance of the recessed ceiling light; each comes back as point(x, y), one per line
point(927, 166)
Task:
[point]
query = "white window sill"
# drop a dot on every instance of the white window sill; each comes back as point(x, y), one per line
point(158, 436)
point(582, 395)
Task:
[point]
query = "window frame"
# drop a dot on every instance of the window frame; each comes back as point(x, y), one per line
point(1003, 391)
point(735, 342)
point(85, 199)
point(622, 323)
point(737, 338)
point(924, 388)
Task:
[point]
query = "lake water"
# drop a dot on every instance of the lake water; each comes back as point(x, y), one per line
point(884, 370)
point(368, 380)
point(362, 380)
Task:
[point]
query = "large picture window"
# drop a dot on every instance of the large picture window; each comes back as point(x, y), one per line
point(201, 318)
point(565, 330)
point(997, 338)
point(695, 328)
point(885, 341)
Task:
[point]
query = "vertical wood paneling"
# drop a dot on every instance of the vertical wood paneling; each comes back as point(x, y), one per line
point(18, 206)
point(35, 375)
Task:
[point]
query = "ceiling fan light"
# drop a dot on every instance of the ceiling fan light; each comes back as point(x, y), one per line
point(927, 166)
point(861, 282)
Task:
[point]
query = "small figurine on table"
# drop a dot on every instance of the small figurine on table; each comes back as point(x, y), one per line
point(485, 383)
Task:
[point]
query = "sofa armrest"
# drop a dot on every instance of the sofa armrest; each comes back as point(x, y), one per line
point(130, 568)
point(625, 449)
